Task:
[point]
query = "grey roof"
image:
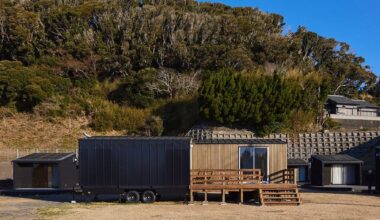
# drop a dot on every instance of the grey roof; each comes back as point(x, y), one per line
point(338, 158)
point(364, 104)
point(338, 99)
point(43, 157)
point(239, 141)
point(297, 162)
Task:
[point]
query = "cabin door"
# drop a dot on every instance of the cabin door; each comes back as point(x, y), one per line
point(337, 174)
point(302, 174)
point(254, 158)
point(343, 174)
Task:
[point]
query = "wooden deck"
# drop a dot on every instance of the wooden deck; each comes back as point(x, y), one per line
point(283, 191)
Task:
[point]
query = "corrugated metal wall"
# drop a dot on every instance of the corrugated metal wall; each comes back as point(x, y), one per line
point(131, 163)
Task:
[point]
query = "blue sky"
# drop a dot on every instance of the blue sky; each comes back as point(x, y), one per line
point(356, 22)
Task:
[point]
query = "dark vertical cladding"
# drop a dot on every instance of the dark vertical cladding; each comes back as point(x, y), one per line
point(316, 172)
point(134, 163)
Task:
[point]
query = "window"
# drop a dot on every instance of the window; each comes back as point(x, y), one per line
point(254, 158)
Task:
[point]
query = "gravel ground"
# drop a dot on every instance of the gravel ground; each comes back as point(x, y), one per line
point(315, 206)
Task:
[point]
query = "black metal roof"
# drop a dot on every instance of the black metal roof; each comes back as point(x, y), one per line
point(43, 157)
point(297, 162)
point(338, 158)
point(135, 138)
point(364, 104)
point(338, 99)
point(239, 141)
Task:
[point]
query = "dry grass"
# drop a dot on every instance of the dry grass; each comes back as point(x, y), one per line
point(30, 131)
point(50, 211)
point(316, 206)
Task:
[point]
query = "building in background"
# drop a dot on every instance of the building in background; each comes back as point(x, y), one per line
point(352, 114)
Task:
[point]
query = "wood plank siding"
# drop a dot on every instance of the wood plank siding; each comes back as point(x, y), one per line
point(226, 156)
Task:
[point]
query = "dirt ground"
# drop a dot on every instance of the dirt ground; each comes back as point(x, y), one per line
point(315, 206)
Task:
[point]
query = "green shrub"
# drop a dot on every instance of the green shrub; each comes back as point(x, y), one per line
point(331, 124)
point(179, 115)
point(109, 116)
point(25, 87)
point(256, 100)
point(136, 90)
point(155, 125)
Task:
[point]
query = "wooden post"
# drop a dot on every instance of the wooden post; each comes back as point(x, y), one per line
point(294, 177)
point(205, 192)
point(205, 201)
point(190, 188)
point(223, 197)
point(223, 190)
point(191, 196)
point(241, 196)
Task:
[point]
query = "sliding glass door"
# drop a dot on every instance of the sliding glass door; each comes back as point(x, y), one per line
point(254, 158)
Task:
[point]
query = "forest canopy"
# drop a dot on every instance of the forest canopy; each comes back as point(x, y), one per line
point(114, 61)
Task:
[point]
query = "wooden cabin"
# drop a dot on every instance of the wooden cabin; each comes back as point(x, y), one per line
point(268, 155)
point(243, 165)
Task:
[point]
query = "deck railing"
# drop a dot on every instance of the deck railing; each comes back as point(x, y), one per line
point(284, 176)
point(238, 177)
point(225, 177)
point(238, 180)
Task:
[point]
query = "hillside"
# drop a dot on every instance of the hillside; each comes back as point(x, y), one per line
point(112, 66)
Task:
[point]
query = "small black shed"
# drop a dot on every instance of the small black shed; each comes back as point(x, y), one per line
point(45, 170)
point(301, 168)
point(340, 169)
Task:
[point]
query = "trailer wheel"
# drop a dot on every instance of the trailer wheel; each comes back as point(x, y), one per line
point(148, 197)
point(132, 196)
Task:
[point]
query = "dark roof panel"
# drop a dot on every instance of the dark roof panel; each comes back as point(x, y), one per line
point(297, 162)
point(44, 157)
point(240, 141)
point(338, 158)
point(338, 99)
point(135, 138)
point(364, 104)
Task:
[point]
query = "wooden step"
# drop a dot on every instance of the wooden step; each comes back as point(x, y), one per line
point(280, 191)
point(280, 197)
point(282, 203)
point(276, 193)
point(284, 199)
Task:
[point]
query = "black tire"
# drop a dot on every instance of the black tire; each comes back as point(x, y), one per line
point(148, 197)
point(132, 196)
point(122, 198)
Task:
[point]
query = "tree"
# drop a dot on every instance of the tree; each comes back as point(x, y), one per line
point(261, 102)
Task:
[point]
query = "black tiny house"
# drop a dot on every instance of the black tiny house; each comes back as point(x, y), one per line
point(134, 165)
point(45, 170)
point(337, 169)
point(301, 168)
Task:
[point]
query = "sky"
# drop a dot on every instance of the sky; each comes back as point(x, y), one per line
point(356, 22)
